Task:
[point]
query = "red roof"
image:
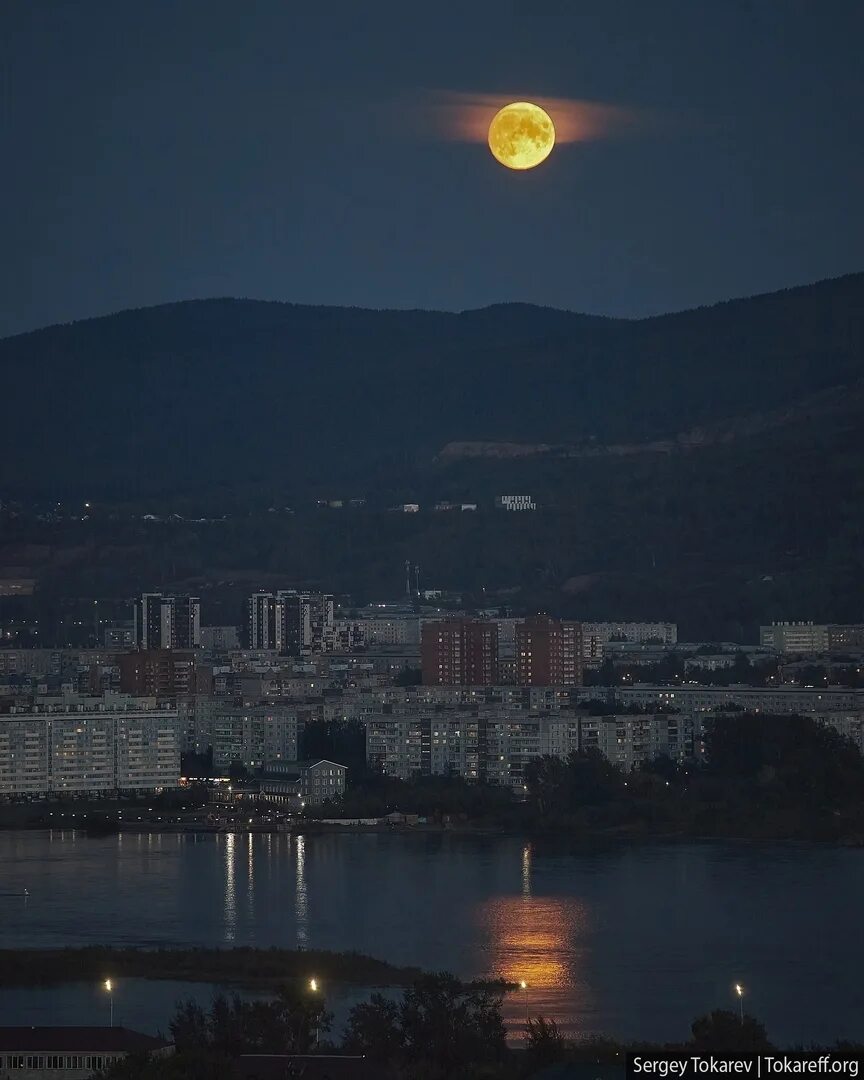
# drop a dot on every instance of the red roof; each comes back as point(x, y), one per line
point(76, 1039)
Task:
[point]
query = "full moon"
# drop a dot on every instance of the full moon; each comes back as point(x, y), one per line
point(521, 135)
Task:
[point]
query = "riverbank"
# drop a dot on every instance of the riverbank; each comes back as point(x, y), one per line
point(590, 827)
point(258, 969)
point(251, 968)
point(589, 839)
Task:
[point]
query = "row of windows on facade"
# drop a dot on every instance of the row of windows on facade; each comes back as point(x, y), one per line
point(94, 1062)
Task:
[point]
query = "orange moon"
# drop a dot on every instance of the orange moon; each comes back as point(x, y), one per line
point(521, 135)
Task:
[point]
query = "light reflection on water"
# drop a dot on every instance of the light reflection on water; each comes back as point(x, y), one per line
point(631, 941)
point(301, 898)
point(230, 888)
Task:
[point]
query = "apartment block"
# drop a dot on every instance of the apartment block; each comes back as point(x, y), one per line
point(597, 635)
point(782, 699)
point(162, 672)
point(293, 623)
point(459, 652)
point(515, 502)
point(167, 622)
point(255, 737)
point(795, 637)
point(548, 652)
point(627, 740)
point(497, 745)
point(89, 748)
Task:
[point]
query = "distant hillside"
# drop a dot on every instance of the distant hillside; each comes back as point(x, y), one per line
point(706, 466)
point(234, 392)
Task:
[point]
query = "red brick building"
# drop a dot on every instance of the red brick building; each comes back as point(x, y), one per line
point(548, 652)
point(151, 672)
point(459, 652)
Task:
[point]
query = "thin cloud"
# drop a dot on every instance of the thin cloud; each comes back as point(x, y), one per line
point(465, 117)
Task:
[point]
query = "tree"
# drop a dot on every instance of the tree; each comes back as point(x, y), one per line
point(802, 761)
point(723, 1032)
point(544, 1043)
point(374, 1028)
point(440, 1021)
point(546, 780)
point(289, 1024)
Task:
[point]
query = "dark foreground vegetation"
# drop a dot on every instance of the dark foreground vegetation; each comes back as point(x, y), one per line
point(763, 777)
point(440, 1029)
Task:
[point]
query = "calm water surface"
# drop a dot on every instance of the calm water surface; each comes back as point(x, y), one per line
point(631, 941)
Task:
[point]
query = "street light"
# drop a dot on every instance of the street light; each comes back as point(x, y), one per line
point(109, 990)
point(739, 990)
point(313, 986)
point(524, 986)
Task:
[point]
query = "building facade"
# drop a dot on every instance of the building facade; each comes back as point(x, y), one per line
point(164, 672)
point(70, 1053)
point(459, 652)
point(548, 652)
point(515, 502)
point(89, 748)
point(255, 737)
point(293, 623)
point(497, 744)
point(596, 636)
point(167, 622)
point(795, 637)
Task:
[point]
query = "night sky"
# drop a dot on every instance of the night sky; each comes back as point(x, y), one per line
point(168, 149)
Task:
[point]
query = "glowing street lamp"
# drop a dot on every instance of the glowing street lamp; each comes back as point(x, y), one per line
point(524, 987)
point(739, 990)
point(109, 990)
point(313, 986)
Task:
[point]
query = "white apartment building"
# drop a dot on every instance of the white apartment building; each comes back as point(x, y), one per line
point(400, 630)
point(497, 744)
point(627, 740)
point(795, 637)
point(596, 636)
point(167, 622)
point(291, 623)
point(782, 699)
point(424, 742)
point(89, 748)
point(515, 502)
point(256, 737)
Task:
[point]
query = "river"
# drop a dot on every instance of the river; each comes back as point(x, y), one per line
point(629, 941)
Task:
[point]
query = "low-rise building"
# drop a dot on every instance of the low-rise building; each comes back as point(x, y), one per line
point(70, 1053)
point(293, 784)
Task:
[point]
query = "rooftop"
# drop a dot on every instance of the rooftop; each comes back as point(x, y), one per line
point(74, 1039)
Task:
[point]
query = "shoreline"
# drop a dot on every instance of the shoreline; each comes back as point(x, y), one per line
point(248, 967)
point(596, 839)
